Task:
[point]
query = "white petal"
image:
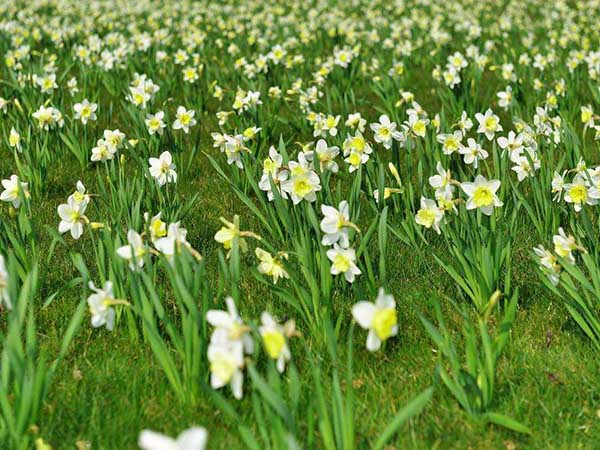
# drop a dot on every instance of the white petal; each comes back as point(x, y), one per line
point(363, 313)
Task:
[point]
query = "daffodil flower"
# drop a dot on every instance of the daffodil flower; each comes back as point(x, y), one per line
point(482, 194)
point(230, 231)
point(135, 250)
point(14, 191)
point(191, 439)
point(343, 260)
point(4, 295)
point(379, 318)
point(231, 322)
point(226, 361)
point(85, 111)
point(274, 340)
point(101, 304)
point(489, 124)
point(429, 215)
point(385, 132)
point(185, 119)
point(270, 265)
point(154, 123)
point(163, 169)
point(336, 224)
point(72, 215)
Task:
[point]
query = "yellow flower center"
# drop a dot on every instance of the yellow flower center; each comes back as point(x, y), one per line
point(384, 321)
point(354, 159)
point(358, 143)
point(419, 127)
point(578, 194)
point(384, 132)
point(426, 217)
point(341, 263)
point(223, 368)
point(491, 123)
point(483, 196)
point(273, 341)
point(302, 187)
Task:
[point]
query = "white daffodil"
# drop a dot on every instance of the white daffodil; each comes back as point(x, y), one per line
point(101, 304)
point(185, 119)
point(385, 132)
point(135, 250)
point(336, 224)
point(274, 340)
point(79, 195)
point(113, 139)
point(154, 123)
point(565, 245)
point(270, 265)
point(513, 144)
point(230, 230)
point(451, 143)
point(429, 215)
point(14, 139)
point(304, 183)
point(325, 155)
point(526, 165)
point(48, 117)
point(226, 359)
point(356, 121)
point(356, 150)
point(465, 123)
point(442, 181)
point(191, 439)
point(505, 98)
point(548, 264)
point(343, 260)
point(85, 111)
point(579, 192)
point(273, 170)
point(416, 125)
point(379, 318)
point(4, 294)
point(489, 124)
point(72, 215)
point(174, 241)
point(482, 194)
point(102, 151)
point(14, 191)
point(558, 185)
point(163, 169)
point(156, 227)
point(472, 152)
point(231, 322)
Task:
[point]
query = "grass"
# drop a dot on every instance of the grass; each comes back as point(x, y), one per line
point(109, 387)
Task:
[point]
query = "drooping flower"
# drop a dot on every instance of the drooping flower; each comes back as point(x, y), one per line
point(270, 265)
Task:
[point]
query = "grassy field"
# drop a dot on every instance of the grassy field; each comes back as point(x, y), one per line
point(111, 385)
